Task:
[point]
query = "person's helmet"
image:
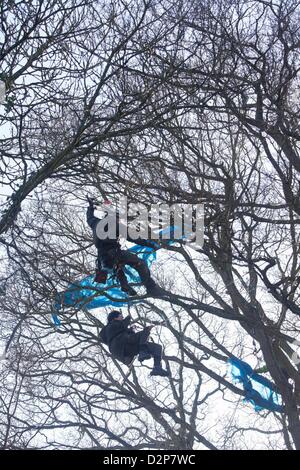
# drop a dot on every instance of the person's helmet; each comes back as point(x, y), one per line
point(113, 314)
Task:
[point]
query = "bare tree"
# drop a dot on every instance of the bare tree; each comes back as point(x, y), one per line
point(162, 102)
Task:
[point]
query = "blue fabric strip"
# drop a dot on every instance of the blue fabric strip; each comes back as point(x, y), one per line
point(259, 390)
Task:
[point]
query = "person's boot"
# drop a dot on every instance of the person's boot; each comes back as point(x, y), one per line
point(158, 370)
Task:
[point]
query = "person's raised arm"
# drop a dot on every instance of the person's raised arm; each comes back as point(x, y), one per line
point(90, 218)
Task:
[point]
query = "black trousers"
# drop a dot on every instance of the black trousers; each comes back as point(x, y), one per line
point(139, 343)
point(117, 257)
point(123, 258)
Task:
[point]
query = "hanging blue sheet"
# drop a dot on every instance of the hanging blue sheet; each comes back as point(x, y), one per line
point(259, 390)
point(88, 294)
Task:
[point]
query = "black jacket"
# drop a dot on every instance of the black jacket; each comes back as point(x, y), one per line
point(106, 244)
point(121, 340)
point(107, 249)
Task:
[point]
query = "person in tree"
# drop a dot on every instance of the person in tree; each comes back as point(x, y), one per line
point(111, 258)
point(124, 344)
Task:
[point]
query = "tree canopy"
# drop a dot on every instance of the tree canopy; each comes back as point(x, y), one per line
point(163, 102)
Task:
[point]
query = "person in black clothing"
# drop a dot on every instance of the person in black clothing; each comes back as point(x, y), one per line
point(124, 344)
point(112, 258)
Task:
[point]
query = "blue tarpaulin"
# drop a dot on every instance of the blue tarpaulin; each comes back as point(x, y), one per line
point(89, 294)
point(259, 390)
